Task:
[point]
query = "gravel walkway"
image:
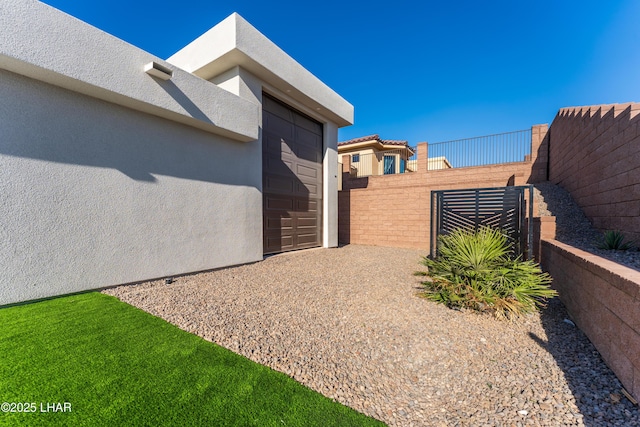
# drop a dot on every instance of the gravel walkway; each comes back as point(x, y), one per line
point(347, 323)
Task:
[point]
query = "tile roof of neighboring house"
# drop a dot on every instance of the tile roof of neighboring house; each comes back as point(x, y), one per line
point(394, 142)
point(374, 137)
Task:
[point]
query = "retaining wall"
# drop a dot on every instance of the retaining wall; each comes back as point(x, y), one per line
point(603, 299)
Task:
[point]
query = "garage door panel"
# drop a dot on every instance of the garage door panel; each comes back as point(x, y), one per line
point(275, 144)
point(308, 154)
point(309, 189)
point(278, 166)
point(292, 178)
point(309, 239)
point(283, 188)
point(306, 171)
point(279, 126)
point(285, 243)
point(307, 222)
point(277, 184)
point(279, 203)
point(308, 147)
point(303, 205)
point(307, 124)
point(276, 108)
point(278, 223)
point(308, 139)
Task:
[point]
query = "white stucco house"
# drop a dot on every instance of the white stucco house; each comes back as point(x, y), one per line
point(117, 166)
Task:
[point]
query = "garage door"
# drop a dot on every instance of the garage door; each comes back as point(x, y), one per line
point(291, 178)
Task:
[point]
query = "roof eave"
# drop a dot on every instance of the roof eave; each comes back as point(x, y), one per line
point(235, 42)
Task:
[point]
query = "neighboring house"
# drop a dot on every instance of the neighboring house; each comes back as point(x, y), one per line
point(441, 162)
point(118, 167)
point(371, 155)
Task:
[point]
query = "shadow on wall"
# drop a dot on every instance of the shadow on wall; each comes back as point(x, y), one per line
point(344, 205)
point(182, 99)
point(48, 123)
point(591, 382)
point(344, 217)
point(540, 167)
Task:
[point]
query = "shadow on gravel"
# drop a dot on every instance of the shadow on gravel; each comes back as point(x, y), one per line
point(596, 389)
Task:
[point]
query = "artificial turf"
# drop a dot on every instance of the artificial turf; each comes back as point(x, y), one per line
point(114, 364)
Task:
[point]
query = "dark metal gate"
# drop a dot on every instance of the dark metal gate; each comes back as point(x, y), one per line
point(504, 208)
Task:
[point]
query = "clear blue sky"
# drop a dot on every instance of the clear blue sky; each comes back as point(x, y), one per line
point(420, 70)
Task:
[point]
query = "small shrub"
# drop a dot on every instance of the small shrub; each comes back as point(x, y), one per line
point(473, 270)
point(614, 240)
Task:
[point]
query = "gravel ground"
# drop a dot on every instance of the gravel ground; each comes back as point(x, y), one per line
point(573, 227)
point(347, 323)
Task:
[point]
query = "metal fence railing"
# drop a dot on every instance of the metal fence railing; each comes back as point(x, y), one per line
point(389, 162)
point(506, 147)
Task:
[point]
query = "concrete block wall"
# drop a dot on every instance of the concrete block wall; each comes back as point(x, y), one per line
point(543, 228)
point(388, 212)
point(603, 299)
point(395, 210)
point(594, 154)
point(539, 153)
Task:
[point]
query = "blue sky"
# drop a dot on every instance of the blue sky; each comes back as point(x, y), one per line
point(420, 71)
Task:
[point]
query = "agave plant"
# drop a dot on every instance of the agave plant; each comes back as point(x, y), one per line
point(614, 240)
point(474, 270)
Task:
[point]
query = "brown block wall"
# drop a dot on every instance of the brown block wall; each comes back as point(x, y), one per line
point(603, 299)
point(539, 154)
point(594, 154)
point(395, 210)
point(387, 210)
point(544, 228)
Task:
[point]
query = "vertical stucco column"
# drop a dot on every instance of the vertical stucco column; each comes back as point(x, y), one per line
point(330, 187)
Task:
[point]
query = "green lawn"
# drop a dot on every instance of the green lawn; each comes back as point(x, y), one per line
point(117, 365)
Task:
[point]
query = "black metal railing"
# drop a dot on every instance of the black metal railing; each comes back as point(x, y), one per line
point(506, 147)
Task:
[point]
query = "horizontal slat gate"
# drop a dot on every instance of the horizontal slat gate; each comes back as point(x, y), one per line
point(503, 208)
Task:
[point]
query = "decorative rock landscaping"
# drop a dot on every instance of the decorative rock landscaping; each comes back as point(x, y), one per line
point(347, 322)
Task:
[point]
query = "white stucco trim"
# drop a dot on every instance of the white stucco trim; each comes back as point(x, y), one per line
point(43, 43)
point(235, 42)
point(330, 187)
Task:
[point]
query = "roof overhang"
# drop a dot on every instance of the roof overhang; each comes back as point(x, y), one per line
point(235, 42)
point(372, 143)
point(43, 43)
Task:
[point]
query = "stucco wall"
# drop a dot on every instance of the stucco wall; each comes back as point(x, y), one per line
point(109, 175)
point(595, 155)
point(41, 42)
point(95, 194)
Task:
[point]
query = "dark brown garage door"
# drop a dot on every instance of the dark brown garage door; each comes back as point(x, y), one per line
point(291, 178)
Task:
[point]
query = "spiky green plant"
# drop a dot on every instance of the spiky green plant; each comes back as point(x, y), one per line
point(474, 270)
point(614, 240)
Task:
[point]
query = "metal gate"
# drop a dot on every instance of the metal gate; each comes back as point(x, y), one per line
point(504, 208)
